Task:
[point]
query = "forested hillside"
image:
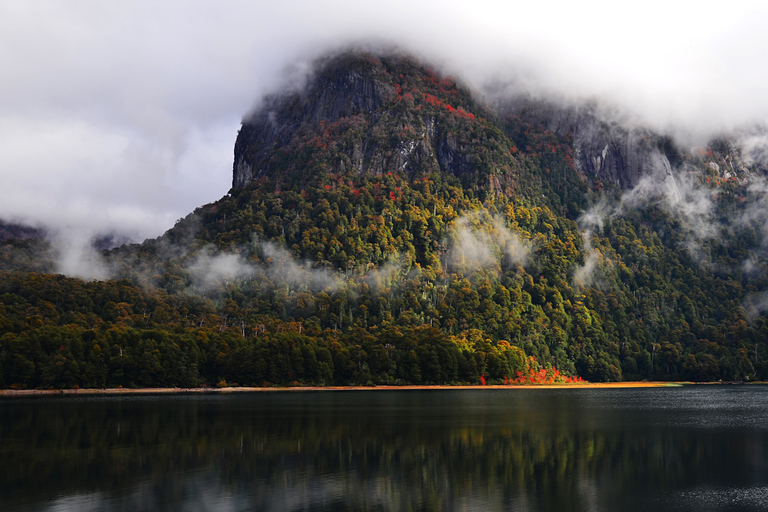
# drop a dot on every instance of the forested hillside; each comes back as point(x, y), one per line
point(384, 227)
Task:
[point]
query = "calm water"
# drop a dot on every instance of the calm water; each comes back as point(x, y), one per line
point(681, 449)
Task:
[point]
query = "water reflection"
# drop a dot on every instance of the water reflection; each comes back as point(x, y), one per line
point(666, 449)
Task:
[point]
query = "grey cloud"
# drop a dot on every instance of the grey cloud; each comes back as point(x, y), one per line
point(386, 275)
point(755, 304)
point(586, 275)
point(753, 142)
point(680, 193)
point(755, 216)
point(677, 192)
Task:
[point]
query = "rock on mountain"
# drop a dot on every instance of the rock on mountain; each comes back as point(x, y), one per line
point(362, 113)
point(613, 147)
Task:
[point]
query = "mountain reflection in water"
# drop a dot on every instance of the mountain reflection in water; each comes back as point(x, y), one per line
point(689, 448)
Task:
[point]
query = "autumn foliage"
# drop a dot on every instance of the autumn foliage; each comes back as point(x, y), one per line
point(537, 374)
point(378, 283)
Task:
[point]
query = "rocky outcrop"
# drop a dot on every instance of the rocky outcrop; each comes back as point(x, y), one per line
point(378, 114)
point(360, 114)
point(452, 156)
point(608, 145)
point(340, 87)
point(622, 159)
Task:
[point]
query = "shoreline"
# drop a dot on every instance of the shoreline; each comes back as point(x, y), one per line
point(229, 390)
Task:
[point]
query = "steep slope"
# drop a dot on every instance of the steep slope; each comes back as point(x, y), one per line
point(470, 236)
point(367, 115)
point(612, 147)
point(385, 227)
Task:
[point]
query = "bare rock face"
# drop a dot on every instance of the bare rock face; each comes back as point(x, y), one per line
point(452, 156)
point(608, 146)
point(343, 87)
point(364, 114)
point(623, 160)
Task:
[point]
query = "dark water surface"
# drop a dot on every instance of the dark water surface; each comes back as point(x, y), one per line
point(682, 449)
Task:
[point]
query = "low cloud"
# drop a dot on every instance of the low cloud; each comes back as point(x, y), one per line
point(585, 275)
point(678, 192)
point(755, 214)
point(753, 142)
point(281, 267)
point(589, 222)
point(754, 305)
point(681, 194)
point(482, 241)
point(269, 265)
point(210, 271)
point(386, 275)
point(76, 256)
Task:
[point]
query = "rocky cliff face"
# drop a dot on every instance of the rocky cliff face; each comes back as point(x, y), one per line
point(607, 146)
point(342, 87)
point(366, 114)
point(621, 158)
point(367, 109)
point(611, 147)
point(371, 114)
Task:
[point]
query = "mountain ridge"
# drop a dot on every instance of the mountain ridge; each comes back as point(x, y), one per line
point(355, 95)
point(392, 229)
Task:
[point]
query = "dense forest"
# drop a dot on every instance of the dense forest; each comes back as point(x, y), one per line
point(394, 230)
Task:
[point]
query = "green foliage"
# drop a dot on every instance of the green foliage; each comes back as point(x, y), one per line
point(365, 266)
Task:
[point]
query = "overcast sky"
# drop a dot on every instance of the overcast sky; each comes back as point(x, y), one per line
point(123, 115)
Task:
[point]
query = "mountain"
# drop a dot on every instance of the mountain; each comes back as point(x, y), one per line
point(379, 116)
point(387, 227)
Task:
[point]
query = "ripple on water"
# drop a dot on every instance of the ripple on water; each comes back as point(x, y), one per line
point(733, 499)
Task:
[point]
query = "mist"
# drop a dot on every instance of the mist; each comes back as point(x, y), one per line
point(76, 256)
point(211, 271)
point(683, 195)
point(264, 263)
point(483, 241)
point(677, 192)
point(592, 220)
point(283, 267)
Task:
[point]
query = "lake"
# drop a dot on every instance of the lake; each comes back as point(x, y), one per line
point(685, 448)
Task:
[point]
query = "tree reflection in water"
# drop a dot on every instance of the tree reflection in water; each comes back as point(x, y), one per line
point(387, 450)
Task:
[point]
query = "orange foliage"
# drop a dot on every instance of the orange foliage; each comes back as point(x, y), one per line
point(539, 375)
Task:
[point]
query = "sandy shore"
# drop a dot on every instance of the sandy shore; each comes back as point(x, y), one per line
point(174, 391)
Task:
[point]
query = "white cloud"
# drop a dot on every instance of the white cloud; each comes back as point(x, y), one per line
point(482, 241)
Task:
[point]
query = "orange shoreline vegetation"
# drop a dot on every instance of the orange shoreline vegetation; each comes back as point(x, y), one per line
point(226, 390)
